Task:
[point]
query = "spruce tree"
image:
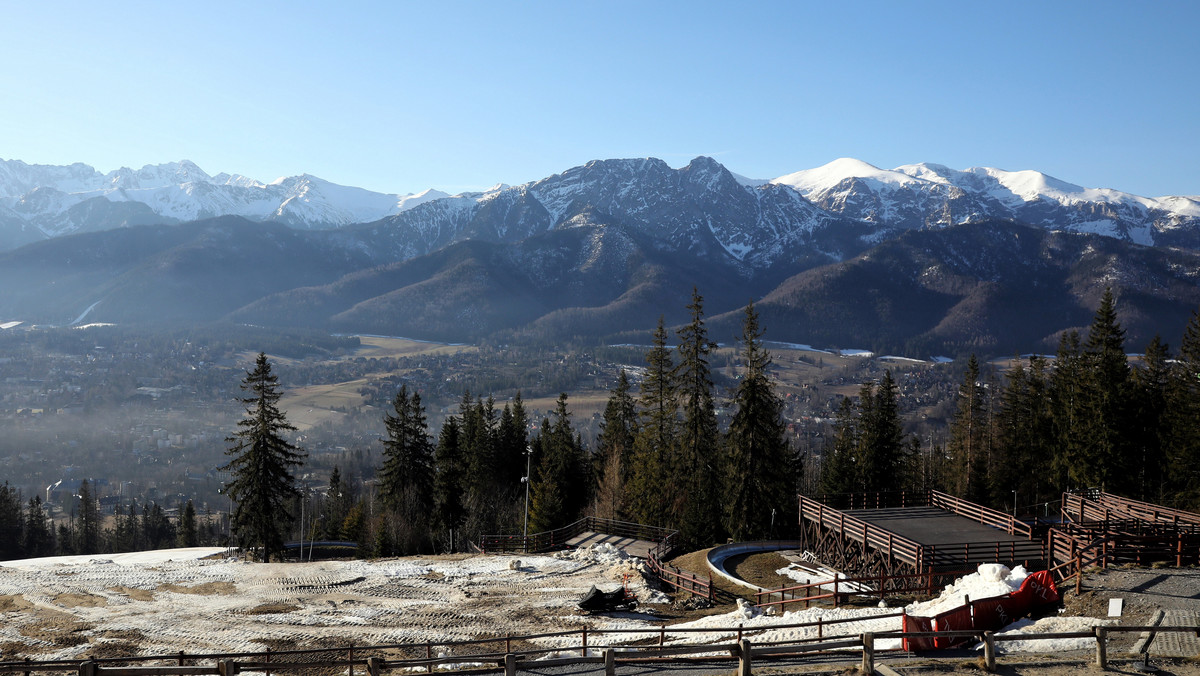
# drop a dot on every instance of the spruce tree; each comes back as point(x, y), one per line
point(337, 505)
point(839, 464)
point(262, 485)
point(759, 473)
point(882, 450)
point(449, 482)
point(512, 441)
point(12, 523)
point(89, 521)
point(647, 492)
point(187, 533)
point(1109, 458)
point(1151, 384)
point(1070, 414)
point(697, 461)
point(614, 449)
point(1182, 424)
point(1025, 436)
point(560, 486)
point(968, 438)
point(39, 538)
point(406, 478)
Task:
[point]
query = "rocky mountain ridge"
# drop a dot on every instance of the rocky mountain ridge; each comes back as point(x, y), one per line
point(701, 206)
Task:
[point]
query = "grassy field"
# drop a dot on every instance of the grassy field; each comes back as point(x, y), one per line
point(309, 406)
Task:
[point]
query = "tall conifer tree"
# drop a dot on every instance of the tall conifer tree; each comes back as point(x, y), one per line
point(882, 450)
point(406, 478)
point(656, 436)
point(1151, 384)
point(760, 474)
point(262, 485)
point(968, 433)
point(1108, 462)
point(614, 450)
point(449, 483)
point(697, 460)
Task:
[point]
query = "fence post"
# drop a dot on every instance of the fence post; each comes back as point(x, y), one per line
point(349, 658)
point(744, 657)
point(835, 591)
point(268, 672)
point(87, 668)
point(510, 665)
point(429, 656)
point(868, 659)
point(181, 658)
point(373, 666)
point(1102, 647)
point(584, 653)
point(989, 651)
point(610, 662)
point(228, 668)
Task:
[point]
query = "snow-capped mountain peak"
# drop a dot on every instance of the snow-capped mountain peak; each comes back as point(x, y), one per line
point(828, 176)
point(38, 201)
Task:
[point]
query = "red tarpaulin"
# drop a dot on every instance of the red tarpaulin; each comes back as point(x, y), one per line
point(992, 613)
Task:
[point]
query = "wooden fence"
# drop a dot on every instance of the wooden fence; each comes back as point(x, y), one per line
point(373, 660)
point(984, 515)
point(841, 588)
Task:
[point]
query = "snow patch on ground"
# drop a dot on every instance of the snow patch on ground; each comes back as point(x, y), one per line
point(1048, 625)
point(988, 581)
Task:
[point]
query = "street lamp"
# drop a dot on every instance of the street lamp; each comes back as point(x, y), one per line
point(525, 480)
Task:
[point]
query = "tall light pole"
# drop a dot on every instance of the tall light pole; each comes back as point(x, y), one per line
point(525, 480)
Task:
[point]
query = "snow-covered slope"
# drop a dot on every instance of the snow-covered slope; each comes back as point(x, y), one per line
point(39, 201)
point(932, 195)
point(701, 208)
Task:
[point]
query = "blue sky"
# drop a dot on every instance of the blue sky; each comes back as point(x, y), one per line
point(398, 97)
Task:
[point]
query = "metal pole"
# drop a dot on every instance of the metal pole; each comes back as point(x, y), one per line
point(525, 479)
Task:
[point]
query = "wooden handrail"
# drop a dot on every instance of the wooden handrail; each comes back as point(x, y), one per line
point(231, 664)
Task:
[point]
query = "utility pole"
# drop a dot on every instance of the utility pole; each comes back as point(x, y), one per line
point(525, 480)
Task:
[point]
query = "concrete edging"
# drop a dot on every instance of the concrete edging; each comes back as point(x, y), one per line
point(717, 556)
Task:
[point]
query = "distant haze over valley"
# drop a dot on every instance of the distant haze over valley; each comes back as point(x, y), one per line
point(919, 259)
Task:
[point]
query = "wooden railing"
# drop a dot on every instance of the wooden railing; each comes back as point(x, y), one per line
point(857, 530)
point(1025, 552)
point(372, 662)
point(1147, 511)
point(677, 578)
point(841, 588)
point(922, 557)
point(984, 515)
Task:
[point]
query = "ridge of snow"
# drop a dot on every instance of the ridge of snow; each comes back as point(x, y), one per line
point(827, 176)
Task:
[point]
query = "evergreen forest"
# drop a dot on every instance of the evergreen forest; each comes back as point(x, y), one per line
point(673, 451)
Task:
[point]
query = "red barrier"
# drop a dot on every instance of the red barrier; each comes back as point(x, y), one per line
point(993, 613)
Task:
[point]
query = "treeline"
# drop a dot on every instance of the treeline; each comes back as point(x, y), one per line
point(27, 531)
point(661, 458)
point(1018, 440)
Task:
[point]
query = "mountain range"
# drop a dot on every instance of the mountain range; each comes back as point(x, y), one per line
point(919, 259)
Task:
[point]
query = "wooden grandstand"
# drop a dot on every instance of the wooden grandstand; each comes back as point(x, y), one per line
point(899, 534)
point(1102, 529)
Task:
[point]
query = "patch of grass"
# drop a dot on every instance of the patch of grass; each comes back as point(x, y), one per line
point(272, 609)
point(759, 568)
